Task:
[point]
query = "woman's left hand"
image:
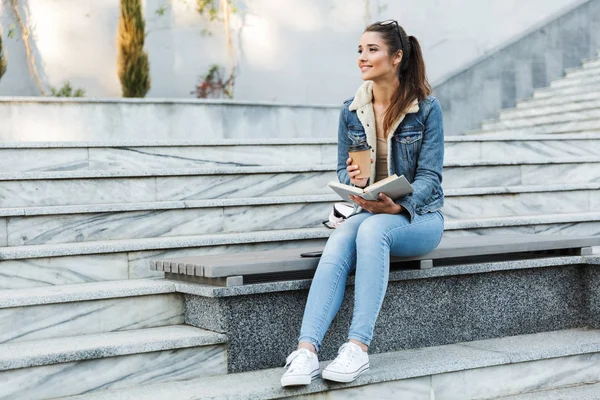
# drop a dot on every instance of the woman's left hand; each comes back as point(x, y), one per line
point(384, 205)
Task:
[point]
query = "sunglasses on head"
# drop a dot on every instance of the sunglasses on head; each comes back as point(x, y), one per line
point(393, 22)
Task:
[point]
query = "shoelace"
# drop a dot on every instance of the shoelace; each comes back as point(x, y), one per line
point(298, 359)
point(346, 354)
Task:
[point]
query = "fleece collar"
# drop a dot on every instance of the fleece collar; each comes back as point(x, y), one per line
point(363, 105)
point(364, 96)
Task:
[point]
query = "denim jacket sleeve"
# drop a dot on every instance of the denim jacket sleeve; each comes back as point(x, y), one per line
point(342, 149)
point(428, 176)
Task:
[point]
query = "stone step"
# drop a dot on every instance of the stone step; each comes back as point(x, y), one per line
point(71, 224)
point(74, 156)
point(549, 110)
point(583, 391)
point(576, 81)
point(75, 224)
point(46, 313)
point(593, 62)
point(470, 370)
point(587, 224)
point(46, 189)
point(520, 200)
point(585, 126)
point(43, 266)
point(74, 365)
point(564, 91)
point(102, 261)
point(522, 147)
point(532, 121)
point(587, 71)
point(581, 97)
point(26, 189)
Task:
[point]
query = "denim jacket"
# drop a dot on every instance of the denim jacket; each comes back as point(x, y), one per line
point(415, 147)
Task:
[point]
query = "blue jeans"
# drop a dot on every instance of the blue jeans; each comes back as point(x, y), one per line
point(364, 242)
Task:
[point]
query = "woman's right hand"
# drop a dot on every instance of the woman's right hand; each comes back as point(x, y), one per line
point(353, 171)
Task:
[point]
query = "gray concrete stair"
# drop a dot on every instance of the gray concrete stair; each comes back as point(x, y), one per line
point(482, 369)
point(567, 105)
point(548, 110)
point(555, 118)
point(587, 63)
point(587, 79)
point(587, 69)
point(564, 91)
point(585, 126)
point(582, 73)
point(71, 365)
point(578, 97)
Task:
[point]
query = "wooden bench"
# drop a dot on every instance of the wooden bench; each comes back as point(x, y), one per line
point(266, 266)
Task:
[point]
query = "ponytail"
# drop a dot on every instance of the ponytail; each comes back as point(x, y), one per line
point(415, 75)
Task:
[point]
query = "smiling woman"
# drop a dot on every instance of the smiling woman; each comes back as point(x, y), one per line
point(394, 113)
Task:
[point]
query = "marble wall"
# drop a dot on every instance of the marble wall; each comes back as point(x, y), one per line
point(139, 119)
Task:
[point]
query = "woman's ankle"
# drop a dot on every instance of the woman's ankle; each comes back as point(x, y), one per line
point(308, 346)
point(363, 346)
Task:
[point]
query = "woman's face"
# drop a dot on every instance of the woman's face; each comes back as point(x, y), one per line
point(374, 60)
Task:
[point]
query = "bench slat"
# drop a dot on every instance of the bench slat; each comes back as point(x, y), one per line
point(287, 260)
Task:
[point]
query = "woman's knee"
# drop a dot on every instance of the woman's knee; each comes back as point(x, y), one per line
point(337, 256)
point(372, 230)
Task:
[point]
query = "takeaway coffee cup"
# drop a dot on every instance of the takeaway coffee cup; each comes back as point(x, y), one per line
point(361, 155)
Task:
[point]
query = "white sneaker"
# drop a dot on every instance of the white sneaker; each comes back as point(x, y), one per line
point(348, 365)
point(303, 368)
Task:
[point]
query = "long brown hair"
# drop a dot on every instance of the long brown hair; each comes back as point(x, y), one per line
point(411, 71)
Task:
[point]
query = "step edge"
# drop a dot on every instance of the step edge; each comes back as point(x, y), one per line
point(174, 143)
point(104, 345)
point(153, 244)
point(386, 367)
point(193, 172)
point(178, 242)
point(10, 298)
point(161, 173)
point(545, 115)
point(108, 208)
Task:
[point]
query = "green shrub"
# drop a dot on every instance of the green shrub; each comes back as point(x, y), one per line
point(2, 59)
point(132, 62)
point(67, 91)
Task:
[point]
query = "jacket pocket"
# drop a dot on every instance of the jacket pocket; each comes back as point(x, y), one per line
point(356, 133)
point(409, 141)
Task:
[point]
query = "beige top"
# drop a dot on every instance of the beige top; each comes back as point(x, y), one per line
point(381, 167)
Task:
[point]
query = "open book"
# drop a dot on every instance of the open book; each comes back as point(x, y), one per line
point(393, 186)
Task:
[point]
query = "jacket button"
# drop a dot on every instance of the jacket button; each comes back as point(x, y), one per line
point(368, 125)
